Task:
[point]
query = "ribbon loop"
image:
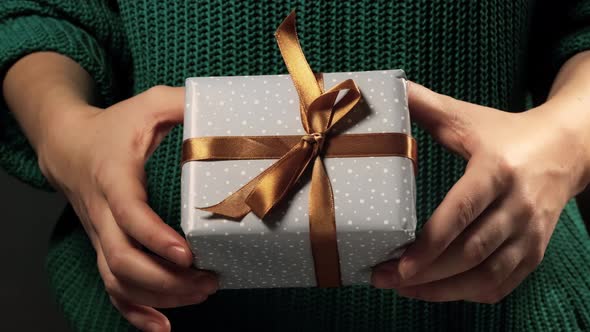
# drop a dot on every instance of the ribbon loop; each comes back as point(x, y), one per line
point(321, 111)
point(304, 80)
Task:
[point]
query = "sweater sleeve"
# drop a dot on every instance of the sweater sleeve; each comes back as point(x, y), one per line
point(89, 32)
point(560, 30)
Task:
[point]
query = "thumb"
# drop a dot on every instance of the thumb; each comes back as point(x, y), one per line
point(444, 117)
point(166, 103)
point(166, 106)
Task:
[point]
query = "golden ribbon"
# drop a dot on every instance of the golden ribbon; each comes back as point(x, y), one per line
point(319, 113)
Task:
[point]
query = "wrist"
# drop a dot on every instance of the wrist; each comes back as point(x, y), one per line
point(44, 86)
point(569, 118)
point(62, 130)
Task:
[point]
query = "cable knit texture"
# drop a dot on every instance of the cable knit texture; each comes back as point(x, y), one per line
point(491, 52)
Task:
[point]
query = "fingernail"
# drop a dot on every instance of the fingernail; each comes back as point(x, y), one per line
point(153, 327)
point(178, 254)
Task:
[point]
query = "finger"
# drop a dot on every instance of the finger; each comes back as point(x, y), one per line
point(143, 317)
point(133, 294)
point(166, 109)
point(472, 247)
point(125, 193)
point(466, 200)
point(167, 103)
point(486, 276)
point(496, 295)
point(158, 104)
point(445, 118)
point(134, 266)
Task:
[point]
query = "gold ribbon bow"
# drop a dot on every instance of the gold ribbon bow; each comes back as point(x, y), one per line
point(319, 113)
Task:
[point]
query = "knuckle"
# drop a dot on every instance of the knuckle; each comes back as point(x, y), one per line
point(475, 250)
point(508, 168)
point(527, 206)
point(494, 273)
point(117, 262)
point(498, 181)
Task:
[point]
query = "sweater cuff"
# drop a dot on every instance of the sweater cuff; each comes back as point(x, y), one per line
point(571, 45)
point(28, 34)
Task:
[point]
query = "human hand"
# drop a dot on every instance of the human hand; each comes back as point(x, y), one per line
point(96, 157)
point(492, 228)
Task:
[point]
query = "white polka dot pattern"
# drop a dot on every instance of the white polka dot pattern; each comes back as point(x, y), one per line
point(374, 196)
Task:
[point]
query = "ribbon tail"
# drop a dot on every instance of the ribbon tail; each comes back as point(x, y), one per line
point(260, 194)
point(234, 206)
point(322, 228)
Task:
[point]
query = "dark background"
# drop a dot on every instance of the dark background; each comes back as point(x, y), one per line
point(28, 217)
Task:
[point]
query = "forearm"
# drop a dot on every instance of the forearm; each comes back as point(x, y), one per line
point(569, 101)
point(44, 88)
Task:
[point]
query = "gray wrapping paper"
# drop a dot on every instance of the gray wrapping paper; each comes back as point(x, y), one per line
point(374, 196)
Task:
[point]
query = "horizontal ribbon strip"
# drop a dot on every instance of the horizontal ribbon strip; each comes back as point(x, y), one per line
point(274, 147)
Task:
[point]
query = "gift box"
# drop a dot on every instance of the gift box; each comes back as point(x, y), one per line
point(373, 195)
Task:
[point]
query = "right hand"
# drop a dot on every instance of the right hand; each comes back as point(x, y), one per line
point(96, 157)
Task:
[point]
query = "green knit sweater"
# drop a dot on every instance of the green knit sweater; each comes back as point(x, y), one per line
point(490, 52)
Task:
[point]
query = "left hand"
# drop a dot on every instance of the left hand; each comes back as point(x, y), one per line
point(492, 228)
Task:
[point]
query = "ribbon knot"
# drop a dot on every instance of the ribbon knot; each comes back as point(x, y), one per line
point(316, 139)
point(313, 138)
point(319, 112)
